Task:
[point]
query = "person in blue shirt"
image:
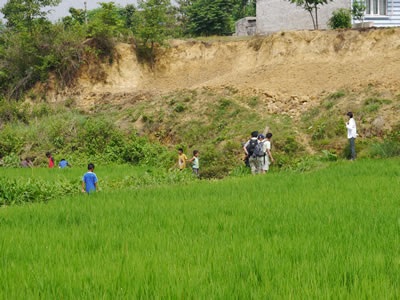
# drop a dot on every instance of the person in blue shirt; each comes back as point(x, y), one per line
point(63, 164)
point(89, 180)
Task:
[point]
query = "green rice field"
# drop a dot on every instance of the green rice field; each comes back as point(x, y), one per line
point(333, 233)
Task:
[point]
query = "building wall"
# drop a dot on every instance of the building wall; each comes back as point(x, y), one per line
point(391, 19)
point(281, 15)
point(246, 26)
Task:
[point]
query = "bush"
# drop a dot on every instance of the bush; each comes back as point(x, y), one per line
point(17, 191)
point(341, 18)
point(11, 161)
point(386, 149)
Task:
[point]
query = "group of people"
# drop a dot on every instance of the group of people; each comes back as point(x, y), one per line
point(258, 152)
point(257, 149)
point(182, 159)
point(51, 163)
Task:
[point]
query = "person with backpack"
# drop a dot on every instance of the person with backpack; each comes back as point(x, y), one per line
point(249, 148)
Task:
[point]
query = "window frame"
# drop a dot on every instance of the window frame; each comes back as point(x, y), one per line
point(378, 5)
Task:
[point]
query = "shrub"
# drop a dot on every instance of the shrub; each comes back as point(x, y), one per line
point(17, 191)
point(386, 149)
point(341, 18)
point(336, 95)
point(329, 156)
point(10, 141)
point(11, 161)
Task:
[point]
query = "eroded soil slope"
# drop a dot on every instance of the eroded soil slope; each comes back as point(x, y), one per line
point(287, 64)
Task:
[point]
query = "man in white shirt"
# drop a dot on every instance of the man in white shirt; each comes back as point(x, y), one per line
point(352, 134)
point(267, 159)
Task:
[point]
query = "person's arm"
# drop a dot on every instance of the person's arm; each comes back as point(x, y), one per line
point(270, 155)
point(245, 147)
point(96, 186)
point(83, 186)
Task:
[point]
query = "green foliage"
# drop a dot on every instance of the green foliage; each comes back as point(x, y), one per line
point(179, 107)
point(21, 191)
point(152, 27)
point(290, 145)
point(10, 142)
point(373, 104)
point(28, 57)
point(312, 7)
point(243, 8)
point(24, 14)
point(210, 17)
point(385, 149)
point(329, 155)
point(336, 95)
point(104, 26)
point(358, 10)
point(341, 18)
point(11, 161)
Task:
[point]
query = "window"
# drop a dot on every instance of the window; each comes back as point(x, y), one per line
point(376, 7)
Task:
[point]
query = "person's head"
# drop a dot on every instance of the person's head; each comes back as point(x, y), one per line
point(261, 137)
point(269, 135)
point(196, 152)
point(62, 159)
point(180, 150)
point(254, 134)
point(48, 154)
point(350, 114)
point(90, 167)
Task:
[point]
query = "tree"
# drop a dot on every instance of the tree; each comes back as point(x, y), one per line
point(21, 14)
point(358, 10)
point(128, 15)
point(105, 25)
point(312, 7)
point(210, 17)
point(243, 8)
point(153, 22)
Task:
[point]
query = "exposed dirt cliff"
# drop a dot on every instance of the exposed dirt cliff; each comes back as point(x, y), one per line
point(287, 65)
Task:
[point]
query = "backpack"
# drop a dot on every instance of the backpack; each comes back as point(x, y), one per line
point(251, 146)
point(258, 150)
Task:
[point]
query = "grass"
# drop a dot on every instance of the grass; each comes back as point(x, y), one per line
point(332, 233)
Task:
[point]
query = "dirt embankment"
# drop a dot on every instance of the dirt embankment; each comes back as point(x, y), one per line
point(290, 70)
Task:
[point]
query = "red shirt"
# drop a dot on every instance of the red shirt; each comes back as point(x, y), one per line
point(51, 162)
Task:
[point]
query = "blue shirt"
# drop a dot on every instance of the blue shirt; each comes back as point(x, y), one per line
point(63, 163)
point(90, 179)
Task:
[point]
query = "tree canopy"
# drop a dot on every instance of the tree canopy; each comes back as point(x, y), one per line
point(22, 13)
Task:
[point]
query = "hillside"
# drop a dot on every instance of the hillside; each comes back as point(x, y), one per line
point(313, 77)
point(287, 64)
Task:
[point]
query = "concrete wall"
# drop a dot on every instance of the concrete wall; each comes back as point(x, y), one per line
point(281, 15)
point(246, 26)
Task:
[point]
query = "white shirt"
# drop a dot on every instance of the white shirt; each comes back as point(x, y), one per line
point(266, 146)
point(351, 129)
